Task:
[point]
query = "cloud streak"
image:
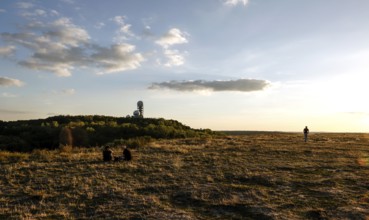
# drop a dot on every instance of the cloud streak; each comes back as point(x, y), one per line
point(7, 111)
point(7, 51)
point(6, 82)
point(240, 85)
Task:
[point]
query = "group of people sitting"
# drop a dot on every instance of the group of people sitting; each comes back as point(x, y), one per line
point(108, 155)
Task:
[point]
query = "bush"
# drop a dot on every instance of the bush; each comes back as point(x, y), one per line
point(139, 142)
point(132, 142)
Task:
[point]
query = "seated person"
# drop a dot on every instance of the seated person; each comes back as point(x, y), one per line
point(127, 154)
point(107, 154)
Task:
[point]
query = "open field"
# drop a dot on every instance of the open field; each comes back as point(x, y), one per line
point(254, 176)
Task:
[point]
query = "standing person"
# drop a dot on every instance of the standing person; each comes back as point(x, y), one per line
point(306, 132)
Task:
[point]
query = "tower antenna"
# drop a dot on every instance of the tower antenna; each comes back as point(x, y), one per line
point(140, 107)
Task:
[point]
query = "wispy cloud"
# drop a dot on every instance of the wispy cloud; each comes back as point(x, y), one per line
point(68, 1)
point(6, 82)
point(2, 10)
point(240, 85)
point(36, 13)
point(6, 51)
point(24, 5)
point(236, 2)
point(99, 25)
point(8, 95)
point(69, 91)
point(124, 32)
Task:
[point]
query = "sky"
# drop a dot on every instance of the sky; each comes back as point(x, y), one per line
point(219, 64)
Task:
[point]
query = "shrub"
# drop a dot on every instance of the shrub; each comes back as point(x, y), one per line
point(132, 142)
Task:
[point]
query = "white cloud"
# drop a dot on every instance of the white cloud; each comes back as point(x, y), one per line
point(241, 85)
point(2, 10)
point(7, 51)
point(66, 32)
point(60, 47)
point(119, 20)
point(235, 2)
point(175, 58)
point(56, 46)
point(5, 81)
point(174, 36)
point(119, 57)
point(42, 36)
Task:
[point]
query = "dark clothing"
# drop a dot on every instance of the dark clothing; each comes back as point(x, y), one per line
point(107, 155)
point(306, 132)
point(127, 154)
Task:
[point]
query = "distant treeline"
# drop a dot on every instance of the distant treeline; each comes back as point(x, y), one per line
point(90, 130)
point(240, 132)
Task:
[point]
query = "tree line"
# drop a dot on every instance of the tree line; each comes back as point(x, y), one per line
point(89, 130)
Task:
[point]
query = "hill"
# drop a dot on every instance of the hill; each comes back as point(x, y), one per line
point(88, 130)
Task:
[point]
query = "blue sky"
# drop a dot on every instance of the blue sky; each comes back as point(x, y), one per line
point(218, 64)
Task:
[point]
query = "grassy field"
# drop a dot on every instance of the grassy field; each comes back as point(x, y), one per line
point(253, 176)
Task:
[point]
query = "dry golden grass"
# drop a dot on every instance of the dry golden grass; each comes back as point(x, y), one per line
point(258, 176)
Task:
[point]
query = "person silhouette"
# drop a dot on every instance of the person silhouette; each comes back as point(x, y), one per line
point(107, 154)
point(306, 132)
point(127, 154)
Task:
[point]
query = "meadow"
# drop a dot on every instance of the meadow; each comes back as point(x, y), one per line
point(249, 176)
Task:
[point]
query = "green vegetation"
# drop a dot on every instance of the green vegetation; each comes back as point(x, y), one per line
point(256, 176)
point(87, 131)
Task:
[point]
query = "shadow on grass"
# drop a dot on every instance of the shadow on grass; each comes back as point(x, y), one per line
point(234, 211)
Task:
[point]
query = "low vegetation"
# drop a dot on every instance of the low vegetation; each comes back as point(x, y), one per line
point(89, 131)
point(252, 176)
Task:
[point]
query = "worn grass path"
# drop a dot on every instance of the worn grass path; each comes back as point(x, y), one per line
point(256, 176)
